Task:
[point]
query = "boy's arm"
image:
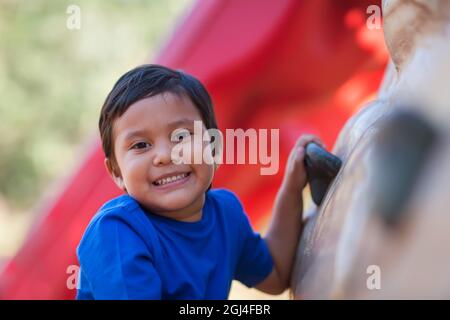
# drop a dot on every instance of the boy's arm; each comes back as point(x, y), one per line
point(285, 227)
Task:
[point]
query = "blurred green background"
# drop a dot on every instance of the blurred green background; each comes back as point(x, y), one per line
point(53, 81)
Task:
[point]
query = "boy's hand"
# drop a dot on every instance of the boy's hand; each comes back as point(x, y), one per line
point(286, 225)
point(295, 178)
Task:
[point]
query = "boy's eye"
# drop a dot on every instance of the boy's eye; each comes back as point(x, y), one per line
point(180, 135)
point(140, 145)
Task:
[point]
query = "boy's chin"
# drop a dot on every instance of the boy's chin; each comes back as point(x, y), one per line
point(174, 201)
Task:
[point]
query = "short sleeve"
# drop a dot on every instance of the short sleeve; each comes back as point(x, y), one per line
point(255, 261)
point(116, 263)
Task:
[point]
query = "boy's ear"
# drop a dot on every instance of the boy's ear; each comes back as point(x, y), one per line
point(115, 173)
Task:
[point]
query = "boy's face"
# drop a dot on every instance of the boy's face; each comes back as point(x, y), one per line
point(142, 146)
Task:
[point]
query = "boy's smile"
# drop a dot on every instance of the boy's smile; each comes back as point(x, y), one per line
point(143, 140)
point(172, 179)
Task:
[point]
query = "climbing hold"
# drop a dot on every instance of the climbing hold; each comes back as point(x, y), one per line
point(321, 168)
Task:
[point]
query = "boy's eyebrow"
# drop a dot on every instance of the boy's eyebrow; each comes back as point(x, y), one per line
point(133, 134)
point(183, 121)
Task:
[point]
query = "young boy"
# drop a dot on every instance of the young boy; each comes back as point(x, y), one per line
point(171, 236)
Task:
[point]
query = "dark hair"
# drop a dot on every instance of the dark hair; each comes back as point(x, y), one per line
point(146, 81)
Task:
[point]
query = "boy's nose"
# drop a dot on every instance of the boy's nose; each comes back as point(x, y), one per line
point(162, 155)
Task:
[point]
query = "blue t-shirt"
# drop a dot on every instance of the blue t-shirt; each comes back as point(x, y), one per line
point(129, 253)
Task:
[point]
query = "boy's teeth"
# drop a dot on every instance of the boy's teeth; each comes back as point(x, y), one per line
point(161, 182)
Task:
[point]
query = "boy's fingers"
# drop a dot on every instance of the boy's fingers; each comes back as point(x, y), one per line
point(304, 140)
point(319, 142)
point(301, 153)
point(307, 138)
